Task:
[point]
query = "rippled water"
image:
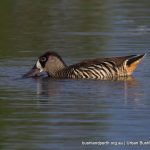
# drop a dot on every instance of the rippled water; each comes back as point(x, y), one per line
point(42, 113)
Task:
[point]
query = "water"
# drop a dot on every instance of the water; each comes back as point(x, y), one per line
point(46, 114)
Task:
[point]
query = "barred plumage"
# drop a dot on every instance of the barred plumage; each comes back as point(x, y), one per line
point(104, 70)
point(101, 68)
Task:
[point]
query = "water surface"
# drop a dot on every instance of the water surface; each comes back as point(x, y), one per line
point(42, 113)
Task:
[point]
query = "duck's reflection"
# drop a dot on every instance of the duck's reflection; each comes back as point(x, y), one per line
point(47, 86)
point(128, 81)
point(51, 87)
point(129, 84)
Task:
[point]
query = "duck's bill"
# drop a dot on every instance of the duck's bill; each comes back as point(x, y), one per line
point(32, 73)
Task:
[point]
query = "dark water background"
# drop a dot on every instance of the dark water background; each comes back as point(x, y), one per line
point(44, 114)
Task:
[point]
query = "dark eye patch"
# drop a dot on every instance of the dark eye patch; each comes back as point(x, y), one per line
point(43, 61)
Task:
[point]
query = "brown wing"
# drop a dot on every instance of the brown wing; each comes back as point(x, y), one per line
point(117, 60)
point(107, 67)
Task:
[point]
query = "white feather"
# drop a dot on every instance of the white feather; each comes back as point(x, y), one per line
point(38, 65)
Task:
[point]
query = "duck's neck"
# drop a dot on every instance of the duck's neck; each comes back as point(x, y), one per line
point(54, 68)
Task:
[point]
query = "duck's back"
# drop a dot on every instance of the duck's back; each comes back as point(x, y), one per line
point(101, 68)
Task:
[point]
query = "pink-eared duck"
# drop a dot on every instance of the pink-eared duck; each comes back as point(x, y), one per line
point(100, 68)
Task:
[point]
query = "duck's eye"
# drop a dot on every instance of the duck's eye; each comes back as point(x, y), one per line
point(43, 59)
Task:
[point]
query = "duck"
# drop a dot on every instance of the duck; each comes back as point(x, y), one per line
point(99, 68)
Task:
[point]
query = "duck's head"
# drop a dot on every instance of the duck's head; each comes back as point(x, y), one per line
point(49, 62)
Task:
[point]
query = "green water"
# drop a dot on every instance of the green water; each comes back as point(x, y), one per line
point(47, 114)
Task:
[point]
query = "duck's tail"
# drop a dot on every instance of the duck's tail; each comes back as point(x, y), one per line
point(132, 62)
